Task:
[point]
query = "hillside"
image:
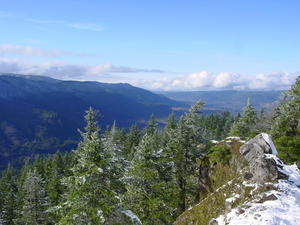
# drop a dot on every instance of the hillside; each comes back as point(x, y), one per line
point(229, 100)
point(259, 189)
point(40, 114)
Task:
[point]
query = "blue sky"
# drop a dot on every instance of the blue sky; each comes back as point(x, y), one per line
point(172, 45)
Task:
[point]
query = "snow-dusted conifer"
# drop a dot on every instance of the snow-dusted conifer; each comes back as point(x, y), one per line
point(91, 196)
point(35, 201)
point(8, 190)
point(148, 194)
point(245, 125)
point(183, 149)
point(286, 126)
point(151, 125)
point(132, 140)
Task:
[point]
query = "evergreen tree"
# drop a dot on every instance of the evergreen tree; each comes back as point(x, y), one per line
point(245, 125)
point(286, 125)
point(91, 196)
point(117, 166)
point(91, 123)
point(54, 172)
point(169, 128)
point(264, 121)
point(35, 201)
point(132, 140)
point(20, 195)
point(151, 125)
point(38, 165)
point(8, 190)
point(183, 148)
point(226, 123)
point(150, 190)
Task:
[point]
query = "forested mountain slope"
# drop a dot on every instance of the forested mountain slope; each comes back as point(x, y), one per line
point(40, 114)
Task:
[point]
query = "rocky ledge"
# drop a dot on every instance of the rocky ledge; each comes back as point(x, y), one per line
point(259, 190)
point(258, 153)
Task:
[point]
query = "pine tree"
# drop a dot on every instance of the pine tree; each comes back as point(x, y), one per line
point(54, 172)
point(132, 140)
point(91, 196)
point(286, 125)
point(150, 190)
point(170, 126)
point(8, 190)
point(91, 123)
point(35, 201)
point(20, 180)
point(118, 163)
point(183, 149)
point(151, 125)
point(38, 165)
point(245, 125)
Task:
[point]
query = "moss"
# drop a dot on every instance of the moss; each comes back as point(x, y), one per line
point(210, 207)
point(220, 154)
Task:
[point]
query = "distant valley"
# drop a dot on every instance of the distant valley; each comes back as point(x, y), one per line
point(230, 100)
point(39, 115)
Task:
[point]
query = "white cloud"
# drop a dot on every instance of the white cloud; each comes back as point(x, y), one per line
point(196, 80)
point(205, 80)
point(269, 81)
point(7, 49)
point(99, 69)
point(63, 70)
point(151, 79)
point(223, 80)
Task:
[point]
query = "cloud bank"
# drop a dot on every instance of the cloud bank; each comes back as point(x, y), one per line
point(150, 78)
point(205, 80)
point(62, 70)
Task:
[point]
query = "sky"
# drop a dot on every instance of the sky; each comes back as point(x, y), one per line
point(158, 45)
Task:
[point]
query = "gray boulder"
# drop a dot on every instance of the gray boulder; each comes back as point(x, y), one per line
point(262, 166)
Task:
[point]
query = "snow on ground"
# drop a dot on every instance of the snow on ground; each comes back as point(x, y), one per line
point(233, 198)
point(229, 139)
point(234, 137)
point(283, 211)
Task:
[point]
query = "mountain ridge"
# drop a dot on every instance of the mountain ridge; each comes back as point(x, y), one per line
point(40, 115)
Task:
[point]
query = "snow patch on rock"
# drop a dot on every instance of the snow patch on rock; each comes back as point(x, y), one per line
point(268, 139)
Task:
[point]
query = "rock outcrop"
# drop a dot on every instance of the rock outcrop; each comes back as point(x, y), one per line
point(262, 167)
point(251, 176)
